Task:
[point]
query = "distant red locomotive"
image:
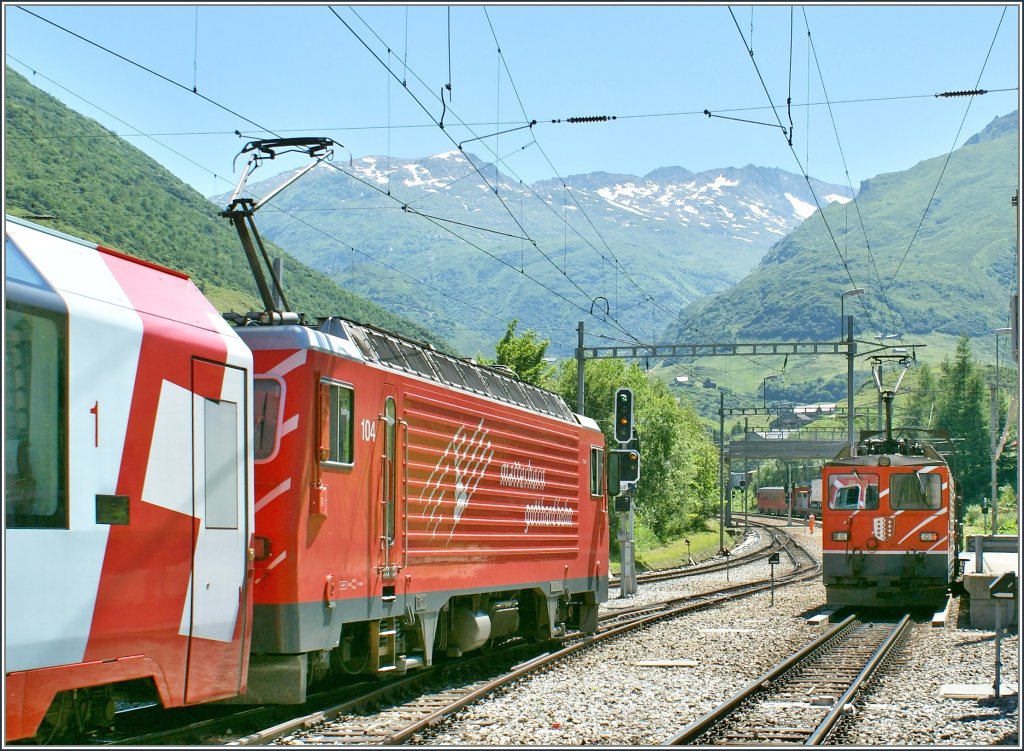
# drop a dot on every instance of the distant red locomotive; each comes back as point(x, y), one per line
point(889, 535)
point(410, 504)
point(179, 530)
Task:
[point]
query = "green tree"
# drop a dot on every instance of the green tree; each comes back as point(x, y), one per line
point(677, 490)
point(524, 354)
point(961, 412)
point(920, 407)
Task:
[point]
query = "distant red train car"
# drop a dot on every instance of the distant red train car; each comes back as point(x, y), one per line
point(772, 500)
point(889, 533)
point(410, 504)
point(127, 487)
point(801, 501)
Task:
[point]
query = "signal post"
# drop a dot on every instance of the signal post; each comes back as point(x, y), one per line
point(624, 465)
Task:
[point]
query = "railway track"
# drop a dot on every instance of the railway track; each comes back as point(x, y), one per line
point(773, 541)
point(800, 700)
point(392, 712)
point(399, 723)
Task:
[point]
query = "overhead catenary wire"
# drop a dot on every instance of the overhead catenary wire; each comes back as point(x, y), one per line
point(492, 187)
point(949, 156)
point(347, 245)
point(148, 70)
point(814, 195)
point(568, 191)
point(846, 171)
point(223, 107)
point(529, 123)
point(504, 204)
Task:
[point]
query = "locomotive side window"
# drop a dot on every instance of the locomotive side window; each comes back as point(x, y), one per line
point(35, 442)
point(853, 492)
point(596, 470)
point(266, 412)
point(915, 490)
point(336, 441)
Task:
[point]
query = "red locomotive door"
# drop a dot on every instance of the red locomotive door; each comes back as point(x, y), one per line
point(216, 611)
point(391, 531)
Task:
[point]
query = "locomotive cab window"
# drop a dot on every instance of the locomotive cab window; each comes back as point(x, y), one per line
point(915, 490)
point(853, 492)
point(266, 416)
point(596, 471)
point(336, 407)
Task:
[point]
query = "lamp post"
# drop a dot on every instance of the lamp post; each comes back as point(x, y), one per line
point(721, 472)
point(855, 292)
point(995, 437)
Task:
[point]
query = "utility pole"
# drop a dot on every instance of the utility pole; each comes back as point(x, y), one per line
point(579, 369)
point(851, 352)
point(995, 460)
point(721, 472)
point(746, 433)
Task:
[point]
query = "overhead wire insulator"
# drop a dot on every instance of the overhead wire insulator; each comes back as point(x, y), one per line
point(972, 92)
point(588, 119)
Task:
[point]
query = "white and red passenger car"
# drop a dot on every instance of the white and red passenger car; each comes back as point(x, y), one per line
point(128, 499)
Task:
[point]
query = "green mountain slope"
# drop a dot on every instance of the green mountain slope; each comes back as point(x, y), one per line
point(939, 265)
point(96, 186)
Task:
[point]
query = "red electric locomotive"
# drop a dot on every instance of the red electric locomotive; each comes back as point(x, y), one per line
point(411, 504)
point(889, 526)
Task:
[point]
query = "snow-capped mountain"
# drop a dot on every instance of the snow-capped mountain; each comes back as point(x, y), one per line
point(453, 242)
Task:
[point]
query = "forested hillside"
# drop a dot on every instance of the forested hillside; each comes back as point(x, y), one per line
point(89, 183)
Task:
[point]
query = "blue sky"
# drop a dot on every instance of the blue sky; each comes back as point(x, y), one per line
point(862, 80)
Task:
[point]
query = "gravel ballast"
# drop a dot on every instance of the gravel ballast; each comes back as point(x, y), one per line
point(642, 688)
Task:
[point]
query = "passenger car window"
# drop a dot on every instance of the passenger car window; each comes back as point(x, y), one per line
point(34, 419)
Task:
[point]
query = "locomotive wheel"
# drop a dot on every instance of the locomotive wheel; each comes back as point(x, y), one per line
point(349, 658)
point(73, 713)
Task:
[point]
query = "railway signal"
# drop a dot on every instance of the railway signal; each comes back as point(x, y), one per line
point(623, 415)
point(628, 461)
point(773, 561)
